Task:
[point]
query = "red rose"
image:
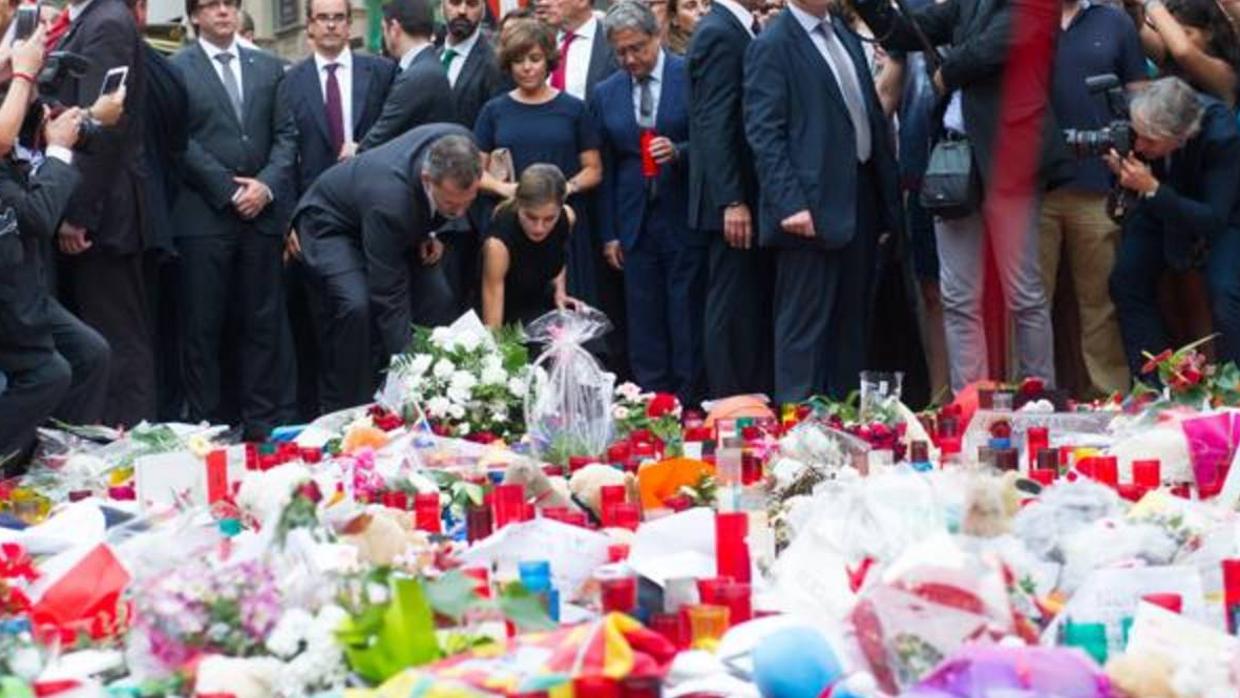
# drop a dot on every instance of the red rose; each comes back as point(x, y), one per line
point(1032, 387)
point(662, 404)
point(483, 437)
point(1001, 429)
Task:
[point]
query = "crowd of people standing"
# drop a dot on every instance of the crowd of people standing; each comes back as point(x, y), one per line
point(734, 183)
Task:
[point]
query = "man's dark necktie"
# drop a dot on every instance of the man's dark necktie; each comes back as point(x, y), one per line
point(756, 27)
point(335, 109)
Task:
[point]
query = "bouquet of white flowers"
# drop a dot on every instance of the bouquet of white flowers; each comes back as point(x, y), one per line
point(467, 381)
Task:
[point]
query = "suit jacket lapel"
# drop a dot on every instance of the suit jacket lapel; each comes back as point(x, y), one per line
point(361, 87)
point(853, 45)
point(312, 92)
point(809, 52)
point(212, 79)
point(249, 76)
point(472, 64)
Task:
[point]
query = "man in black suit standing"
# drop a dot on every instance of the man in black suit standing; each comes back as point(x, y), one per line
point(335, 96)
point(101, 234)
point(723, 198)
point(469, 59)
point(363, 226)
point(829, 185)
point(242, 148)
point(421, 93)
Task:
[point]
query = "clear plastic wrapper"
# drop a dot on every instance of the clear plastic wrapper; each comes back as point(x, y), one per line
point(1013, 672)
point(568, 403)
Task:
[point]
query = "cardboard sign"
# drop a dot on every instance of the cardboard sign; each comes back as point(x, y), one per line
point(180, 477)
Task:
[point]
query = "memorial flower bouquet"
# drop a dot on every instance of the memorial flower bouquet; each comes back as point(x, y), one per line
point(657, 413)
point(465, 380)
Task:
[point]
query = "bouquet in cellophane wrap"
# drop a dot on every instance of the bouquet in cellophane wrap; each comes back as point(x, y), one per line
point(568, 403)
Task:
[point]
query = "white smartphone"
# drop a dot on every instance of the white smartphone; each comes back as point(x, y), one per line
point(114, 80)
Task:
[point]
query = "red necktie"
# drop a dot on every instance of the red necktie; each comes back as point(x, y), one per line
point(335, 109)
point(557, 75)
point(58, 28)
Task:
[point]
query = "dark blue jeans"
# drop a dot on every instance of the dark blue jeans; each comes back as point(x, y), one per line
point(1139, 264)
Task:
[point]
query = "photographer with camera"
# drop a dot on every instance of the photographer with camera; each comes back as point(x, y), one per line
point(1184, 171)
point(55, 365)
point(1097, 41)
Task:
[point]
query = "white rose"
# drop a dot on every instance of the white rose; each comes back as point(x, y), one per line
point(492, 362)
point(516, 386)
point(444, 368)
point(442, 337)
point(629, 391)
point(420, 365)
point(620, 412)
point(457, 395)
point(468, 341)
point(456, 412)
point(438, 406)
point(464, 380)
point(494, 375)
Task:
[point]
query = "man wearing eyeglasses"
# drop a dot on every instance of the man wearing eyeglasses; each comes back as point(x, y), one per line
point(335, 96)
point(229, 224)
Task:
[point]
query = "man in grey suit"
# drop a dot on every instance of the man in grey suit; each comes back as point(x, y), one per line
point(368, 229)
point(421, 93)
point(229, 232)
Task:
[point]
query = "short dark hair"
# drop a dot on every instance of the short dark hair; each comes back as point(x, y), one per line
point(415, 17)
point(348, 9)
point(453, 157)
point(524, 36)
point(191, 6)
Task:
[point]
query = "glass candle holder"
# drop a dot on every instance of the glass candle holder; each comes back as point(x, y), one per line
point(707, 625)
point(619, 594)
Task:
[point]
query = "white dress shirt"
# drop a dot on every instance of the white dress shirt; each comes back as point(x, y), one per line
point(344, 78)
point(656, 91)
point(577, 69)
point(745, 17)
point(411, 54)
point(234, 65)
point(462, 54)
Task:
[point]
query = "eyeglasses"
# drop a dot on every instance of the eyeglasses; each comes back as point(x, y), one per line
point(330, 19)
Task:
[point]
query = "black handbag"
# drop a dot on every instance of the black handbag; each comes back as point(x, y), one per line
point(950, 188)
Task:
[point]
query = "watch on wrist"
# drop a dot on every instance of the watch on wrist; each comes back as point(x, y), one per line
point(1149, 194)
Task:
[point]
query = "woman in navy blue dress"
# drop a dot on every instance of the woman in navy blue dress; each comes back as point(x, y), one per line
point(536, 123)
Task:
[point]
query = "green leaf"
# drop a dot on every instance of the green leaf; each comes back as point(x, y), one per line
point(526, 611)
point(452, 594)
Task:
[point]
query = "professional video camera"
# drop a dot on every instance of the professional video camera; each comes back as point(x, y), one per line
point(1087, 143)
point(57, 67)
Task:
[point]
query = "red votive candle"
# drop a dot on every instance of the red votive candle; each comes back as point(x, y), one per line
point(1147, 473)
point(1231, 593)
point(619, 452)
point(575, 518)
point(643, 451)
point(711, 591)
point(1043, 476)
point(619, 594)
point(731, 551)
point(554, 513)
point(1036, 439)
point(641, 436)
point(477, 522)
point(738, 597)
point(1171, 602)
point(670, 626)
point(625, 515)
point(608, 497)
point(426, 513)
point(641, 687)
point(1106, 470)
point(509, 504)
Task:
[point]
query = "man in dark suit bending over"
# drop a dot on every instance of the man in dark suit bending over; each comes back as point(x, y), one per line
point(421, 93)
point(367, 228)
point(723, 200)
point(242, 146)
point(827, 165)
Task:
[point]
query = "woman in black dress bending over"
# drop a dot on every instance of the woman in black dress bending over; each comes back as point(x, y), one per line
point(523, 255)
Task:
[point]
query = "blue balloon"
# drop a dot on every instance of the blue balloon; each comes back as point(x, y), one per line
point(795, 663)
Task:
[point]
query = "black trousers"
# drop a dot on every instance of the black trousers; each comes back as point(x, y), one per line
point(823, 307)
point(69, 382)
point(237, 277)
point(738, 330)
point(348, 360)
point(303, 340)
point(108, 292)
